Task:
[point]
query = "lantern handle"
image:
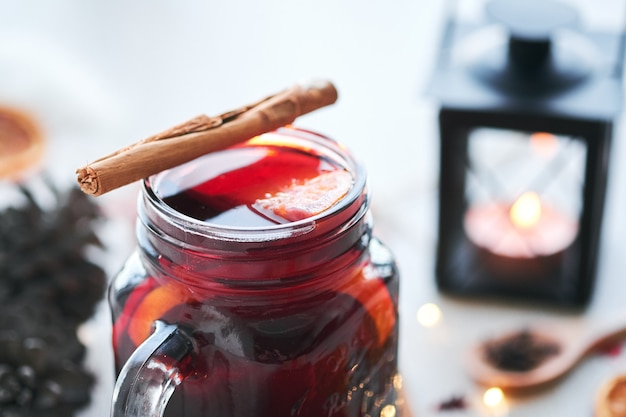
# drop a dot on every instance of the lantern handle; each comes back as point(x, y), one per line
point(621, 52)
point(447, 34)
point(449, 27)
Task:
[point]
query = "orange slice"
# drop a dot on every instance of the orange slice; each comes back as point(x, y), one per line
point(307, 199)
point(611, 398)
point(21, 142)
point(153, 307)
point(373, 295)
point(133, 300)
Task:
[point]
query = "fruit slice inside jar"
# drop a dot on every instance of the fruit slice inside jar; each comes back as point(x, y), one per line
point(311, 197)
point(373, 295)
point(256, 186)
point(148, 304)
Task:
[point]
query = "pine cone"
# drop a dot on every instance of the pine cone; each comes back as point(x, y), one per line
point(43, 254)
point(39, 364)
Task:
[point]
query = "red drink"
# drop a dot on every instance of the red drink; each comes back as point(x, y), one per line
point(235, 194)
point(290, 303)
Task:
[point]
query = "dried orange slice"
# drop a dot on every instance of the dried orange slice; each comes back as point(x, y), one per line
point(21, 142)
point(307, 199)
point(611, 398)
point(153, 307)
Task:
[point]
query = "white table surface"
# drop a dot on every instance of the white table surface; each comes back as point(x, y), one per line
point(100, 75)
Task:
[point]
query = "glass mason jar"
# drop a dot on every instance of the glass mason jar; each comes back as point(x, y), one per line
point(227, 316)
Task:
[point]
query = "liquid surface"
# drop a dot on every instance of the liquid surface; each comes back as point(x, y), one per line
point(259, 186)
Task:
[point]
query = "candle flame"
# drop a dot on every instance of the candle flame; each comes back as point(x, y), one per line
point(526, 211)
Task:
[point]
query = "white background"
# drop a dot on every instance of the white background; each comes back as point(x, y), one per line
point(100, 75)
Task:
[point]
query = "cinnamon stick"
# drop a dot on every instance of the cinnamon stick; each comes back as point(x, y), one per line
point(202, 135)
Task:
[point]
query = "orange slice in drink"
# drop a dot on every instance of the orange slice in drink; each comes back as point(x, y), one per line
point(306, 199)
point(373, 295)
point(133, 300)
point(153, 307)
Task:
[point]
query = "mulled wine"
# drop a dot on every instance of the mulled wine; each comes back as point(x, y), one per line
point(262, 256)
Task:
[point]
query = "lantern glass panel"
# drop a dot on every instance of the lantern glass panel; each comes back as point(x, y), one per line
point(523, 200)
point(504, 164)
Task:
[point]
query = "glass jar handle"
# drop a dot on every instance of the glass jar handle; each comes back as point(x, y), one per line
point(149, 377)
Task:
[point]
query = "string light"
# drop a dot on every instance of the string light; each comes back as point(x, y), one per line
point(388, 411)
point(428, 315)
point(493, 397)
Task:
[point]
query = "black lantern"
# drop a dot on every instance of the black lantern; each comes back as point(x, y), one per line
point(525, 127)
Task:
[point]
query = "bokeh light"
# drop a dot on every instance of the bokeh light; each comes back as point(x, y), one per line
point(493, 397)
point(429, 315)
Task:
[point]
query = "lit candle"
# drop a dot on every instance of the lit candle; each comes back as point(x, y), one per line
point(528, 228)
point(526, 211)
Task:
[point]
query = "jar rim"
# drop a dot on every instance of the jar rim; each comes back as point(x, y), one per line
point(320, 143)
